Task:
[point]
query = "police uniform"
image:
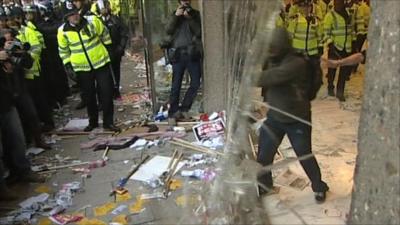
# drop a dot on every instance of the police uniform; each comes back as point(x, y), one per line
point(30, 34)
point(119, 36)
point(82, 47)
point(339, 35)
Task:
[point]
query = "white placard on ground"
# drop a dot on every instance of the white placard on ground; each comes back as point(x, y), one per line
point(155, 167)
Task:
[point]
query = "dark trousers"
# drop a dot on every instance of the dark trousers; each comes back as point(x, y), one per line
point(28, 115)
point(344, 71)
point(12, 144)
point(116, 67)
point(95, 83)
point(36, 90)
point(358, 46)
point(55, 81)
point(299, 134)
point(178, 69)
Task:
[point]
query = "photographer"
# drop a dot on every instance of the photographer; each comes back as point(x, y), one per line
point(184, 52)
point(12, 143)
point(23, 101)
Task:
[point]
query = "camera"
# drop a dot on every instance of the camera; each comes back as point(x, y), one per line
point(187, 8)
point(15, 51)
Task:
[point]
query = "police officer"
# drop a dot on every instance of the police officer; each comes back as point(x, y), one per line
point(339, 35)
point(53, 71)
point(82, 43)
point(306, 31)
point(30, 34)
point(119, 37)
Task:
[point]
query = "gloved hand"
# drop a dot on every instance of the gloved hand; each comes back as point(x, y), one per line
point(70, 72)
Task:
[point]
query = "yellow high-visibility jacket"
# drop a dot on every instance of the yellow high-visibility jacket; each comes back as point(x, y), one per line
point(30, 34)
point(325, 8)
point(280, 21)
point(362, 15)
point(307, 37)
point(338, 32)
point(114, 5)
point(85, 50)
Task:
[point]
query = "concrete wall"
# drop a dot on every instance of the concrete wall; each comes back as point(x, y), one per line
point(214, 79)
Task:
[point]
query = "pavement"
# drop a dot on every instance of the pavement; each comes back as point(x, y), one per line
point(334, 144)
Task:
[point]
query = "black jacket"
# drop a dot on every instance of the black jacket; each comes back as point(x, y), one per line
point(119, 34)
point(194, 24)
point(12, 84)
point(286, 81)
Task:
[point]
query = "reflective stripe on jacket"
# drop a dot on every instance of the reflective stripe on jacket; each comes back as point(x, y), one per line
point(339, 33)
point(85, 50)
point(306, 36)
point(30, 34)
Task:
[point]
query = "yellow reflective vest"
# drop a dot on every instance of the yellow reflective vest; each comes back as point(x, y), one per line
point(307, 37)
point(280, 21)
point(114, 5)
point(30, 34)
point(362, 15)
point(338, 32)
point(85, 50)
point(325, 8)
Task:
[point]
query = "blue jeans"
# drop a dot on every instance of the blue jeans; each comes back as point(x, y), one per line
point(13, 142)
point(178, 69)
point(299, 135)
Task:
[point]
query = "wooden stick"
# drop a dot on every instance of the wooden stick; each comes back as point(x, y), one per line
point(68, 166)
point(252, 147)
point(79, 133)
point(105, 152)
point(196, 148)
point(178, 123)
point(172, 159)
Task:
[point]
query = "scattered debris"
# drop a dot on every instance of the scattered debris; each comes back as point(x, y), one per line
point(64, 219)
point(155, 167)
point(210, 129)
point(290, 179)
point(104, 209)
point(34, 151)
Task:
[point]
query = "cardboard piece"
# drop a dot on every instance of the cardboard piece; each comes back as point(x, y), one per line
point(155, 167)
point(290, 179)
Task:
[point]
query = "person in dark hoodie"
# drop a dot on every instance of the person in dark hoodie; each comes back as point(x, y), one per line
point(286, 80)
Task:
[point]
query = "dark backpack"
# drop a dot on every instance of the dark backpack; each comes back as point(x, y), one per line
point(315, 79)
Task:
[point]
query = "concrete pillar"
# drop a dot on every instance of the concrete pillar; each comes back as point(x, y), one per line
point(215, 80)
point(376, 194)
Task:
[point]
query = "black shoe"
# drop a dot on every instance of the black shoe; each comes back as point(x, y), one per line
point(90, 128)
point(320, 197)
point(80, 105)
point(331, 92)
point(112, 128)
point(341, 98)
